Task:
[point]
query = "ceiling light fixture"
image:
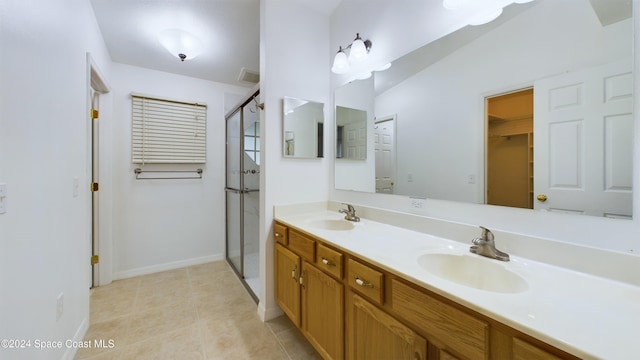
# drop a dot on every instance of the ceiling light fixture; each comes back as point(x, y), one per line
point(481, 11)
point(358, 52)
point(180, 43)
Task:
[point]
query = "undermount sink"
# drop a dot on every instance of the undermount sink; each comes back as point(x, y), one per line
point(473, 271)
point(331, 224)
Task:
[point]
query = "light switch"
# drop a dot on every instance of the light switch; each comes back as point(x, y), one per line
point(3, 198)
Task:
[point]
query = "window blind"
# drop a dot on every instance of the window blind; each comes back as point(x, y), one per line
point(166, 131)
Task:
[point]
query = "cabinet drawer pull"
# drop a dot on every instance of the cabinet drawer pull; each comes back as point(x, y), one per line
point(293, 274)
point(327, 262)
point(363, 283)
point(278, 234)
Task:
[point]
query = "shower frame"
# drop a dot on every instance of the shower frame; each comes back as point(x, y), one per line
point(240, 273)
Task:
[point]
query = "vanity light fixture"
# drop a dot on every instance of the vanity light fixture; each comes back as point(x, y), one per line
point(484, 11)
point(180, 43)
point(358, 51)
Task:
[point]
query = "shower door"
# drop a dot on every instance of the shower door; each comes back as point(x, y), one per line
point(242, 193)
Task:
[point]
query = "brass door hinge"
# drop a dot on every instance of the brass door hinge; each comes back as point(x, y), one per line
point(95, 113)
point(94, 186)
point(95, 259)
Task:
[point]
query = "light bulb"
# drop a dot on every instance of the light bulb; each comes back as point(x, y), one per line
point(179, 42)
point(340, 63)
point(358, 50)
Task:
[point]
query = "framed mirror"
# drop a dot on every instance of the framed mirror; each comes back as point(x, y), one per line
point(303, 128)
point(573, 55)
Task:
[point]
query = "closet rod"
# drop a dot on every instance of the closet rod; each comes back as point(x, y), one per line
point(139, 171)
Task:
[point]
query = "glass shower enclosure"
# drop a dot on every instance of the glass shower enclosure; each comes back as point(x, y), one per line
point(243, 193)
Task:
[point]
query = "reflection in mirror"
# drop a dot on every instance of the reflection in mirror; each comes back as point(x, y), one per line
point(356, 174)
point(574, 54)
point(303, 128)
point(351, 133)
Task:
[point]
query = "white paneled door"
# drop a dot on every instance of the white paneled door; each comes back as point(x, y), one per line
point(385, 152)
point(583, 126)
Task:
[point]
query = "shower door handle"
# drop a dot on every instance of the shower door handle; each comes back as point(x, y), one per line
point(238, 191)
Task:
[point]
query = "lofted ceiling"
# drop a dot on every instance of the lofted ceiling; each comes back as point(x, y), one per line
point(229, 30)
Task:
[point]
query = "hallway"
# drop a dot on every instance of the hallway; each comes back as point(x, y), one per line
point(199, 312)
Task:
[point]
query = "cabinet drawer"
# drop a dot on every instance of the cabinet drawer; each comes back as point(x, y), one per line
point(450, 327)
point(329, 260)
point(280, 233)
point(302, 245)
point(365, 280)
point(522, 350)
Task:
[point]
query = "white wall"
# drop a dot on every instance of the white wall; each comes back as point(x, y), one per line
point(44, 145)
point(163, 224)
point(616, 235)
point(294, 62)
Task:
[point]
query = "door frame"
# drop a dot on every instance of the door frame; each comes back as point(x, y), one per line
point(239, 108)
point(96, 84)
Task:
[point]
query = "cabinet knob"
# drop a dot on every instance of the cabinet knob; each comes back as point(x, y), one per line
point(363, 283)
point(327, 262)
point(278, 235)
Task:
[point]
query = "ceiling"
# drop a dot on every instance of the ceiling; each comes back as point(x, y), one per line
point(229, 29)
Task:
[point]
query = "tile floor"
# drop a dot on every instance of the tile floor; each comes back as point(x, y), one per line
point(199, 312)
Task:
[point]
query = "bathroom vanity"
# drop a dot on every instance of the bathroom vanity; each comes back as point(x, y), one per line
point(369, 290)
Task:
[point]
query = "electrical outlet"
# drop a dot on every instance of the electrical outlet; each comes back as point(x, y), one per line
point(417, 203)
point(59, 306)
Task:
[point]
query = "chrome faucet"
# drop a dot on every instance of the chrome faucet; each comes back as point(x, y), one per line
point(486, 246)
point(349, 213)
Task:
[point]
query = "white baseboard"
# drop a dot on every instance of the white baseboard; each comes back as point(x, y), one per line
point(268, 314)
point(166, 266)
point(70, 353)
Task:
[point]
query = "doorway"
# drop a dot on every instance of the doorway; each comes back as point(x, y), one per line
point(243, 193)
point(385, 154)
point(509, 158)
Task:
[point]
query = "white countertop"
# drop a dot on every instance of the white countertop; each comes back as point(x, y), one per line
point(588, 316)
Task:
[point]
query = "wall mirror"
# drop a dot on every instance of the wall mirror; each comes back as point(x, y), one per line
point(303, 128)
point(572, 58)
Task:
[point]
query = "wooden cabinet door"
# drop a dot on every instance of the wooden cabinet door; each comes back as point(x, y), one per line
point(323, 312)
point(287, 275)
point(373, 334)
